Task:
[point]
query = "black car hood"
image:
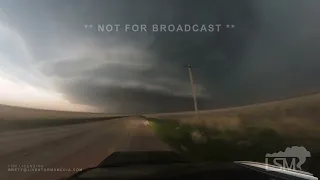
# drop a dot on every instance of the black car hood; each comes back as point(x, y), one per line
point(170, 165)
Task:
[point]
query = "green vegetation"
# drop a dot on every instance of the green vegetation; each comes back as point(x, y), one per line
point(200, 143)
point(244, 133)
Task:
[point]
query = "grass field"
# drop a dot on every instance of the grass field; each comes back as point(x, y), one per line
point(14, 118)
point(241, 133)
point(244, 133)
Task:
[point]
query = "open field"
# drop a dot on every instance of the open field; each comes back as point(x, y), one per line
point(21, 113)
point(244, 133)
point(14, 118)
point(296, 116)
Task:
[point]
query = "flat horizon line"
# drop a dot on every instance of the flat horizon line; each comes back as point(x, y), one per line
point(190, 111)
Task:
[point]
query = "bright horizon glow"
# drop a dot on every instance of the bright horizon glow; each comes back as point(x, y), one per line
point(25, 95)
point(14, 89)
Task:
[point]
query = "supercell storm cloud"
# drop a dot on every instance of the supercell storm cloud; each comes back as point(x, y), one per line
point(242, 51)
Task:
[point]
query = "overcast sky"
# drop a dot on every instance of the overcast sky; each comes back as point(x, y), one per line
point(50, 59)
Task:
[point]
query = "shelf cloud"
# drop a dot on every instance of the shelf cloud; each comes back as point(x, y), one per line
point(263, 50)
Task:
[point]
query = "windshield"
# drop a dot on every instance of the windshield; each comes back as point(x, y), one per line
point(218, 81)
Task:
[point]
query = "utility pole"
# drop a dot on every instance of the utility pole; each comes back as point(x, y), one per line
point(193, 92)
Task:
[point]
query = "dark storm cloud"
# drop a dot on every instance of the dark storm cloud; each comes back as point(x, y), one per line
point(134, 99)
point(272, 52)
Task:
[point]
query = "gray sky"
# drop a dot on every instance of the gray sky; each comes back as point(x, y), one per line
point(48, 59)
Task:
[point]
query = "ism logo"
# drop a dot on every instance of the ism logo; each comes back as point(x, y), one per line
point(293, 157)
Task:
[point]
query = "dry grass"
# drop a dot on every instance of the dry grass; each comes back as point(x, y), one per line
point(19, 113)
point(17, 118)
point(245, 133)
point(295, 117)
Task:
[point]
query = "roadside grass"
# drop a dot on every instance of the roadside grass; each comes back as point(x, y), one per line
point(200, 143)
point(296, 117)
point(248, 143)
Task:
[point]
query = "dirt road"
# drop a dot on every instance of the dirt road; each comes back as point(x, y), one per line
point(70, 147)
